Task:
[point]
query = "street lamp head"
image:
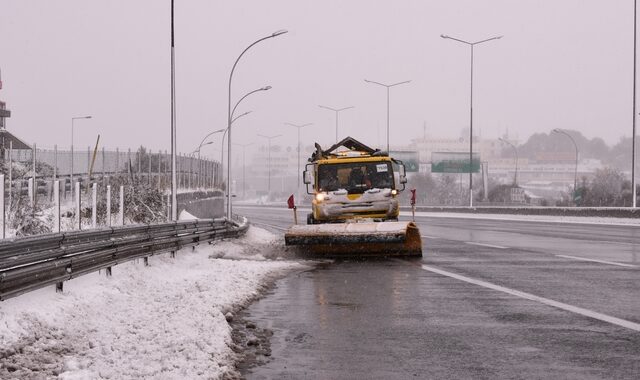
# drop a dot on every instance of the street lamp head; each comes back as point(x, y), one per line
point(265, 88)
point(556, 130)
point(279, 32)
point(444, 36)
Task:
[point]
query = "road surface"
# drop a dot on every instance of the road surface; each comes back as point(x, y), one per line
point(489, 299)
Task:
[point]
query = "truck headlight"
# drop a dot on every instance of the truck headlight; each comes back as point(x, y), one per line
point(394, 192)
point(320, 197)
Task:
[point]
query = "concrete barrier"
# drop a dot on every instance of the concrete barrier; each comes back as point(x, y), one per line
point(202, 204)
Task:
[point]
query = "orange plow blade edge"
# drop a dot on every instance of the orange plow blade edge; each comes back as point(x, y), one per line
point(357, 239)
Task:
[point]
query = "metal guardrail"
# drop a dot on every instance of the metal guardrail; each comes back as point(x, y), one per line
point(34, 262)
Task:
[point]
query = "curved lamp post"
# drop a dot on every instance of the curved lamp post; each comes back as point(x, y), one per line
point(575, 174)
point(388, 86)
point(299, 127)
point(203, 143)
point(200, 162)
point(222, 146)
point(336, 111)
point(200, 147)
point(230, 116)
point(470, 44)
point(515, 177)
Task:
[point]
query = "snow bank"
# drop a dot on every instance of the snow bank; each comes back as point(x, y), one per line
point(165, 321)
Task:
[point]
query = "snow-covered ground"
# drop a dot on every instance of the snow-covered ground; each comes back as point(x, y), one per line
point(165, 321)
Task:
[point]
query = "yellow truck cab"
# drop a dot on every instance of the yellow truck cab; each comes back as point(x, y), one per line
point(351, 181)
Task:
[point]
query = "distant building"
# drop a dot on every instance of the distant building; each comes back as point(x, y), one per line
point(8, 140)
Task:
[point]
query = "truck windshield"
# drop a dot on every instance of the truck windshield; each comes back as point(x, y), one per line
point(355, 177)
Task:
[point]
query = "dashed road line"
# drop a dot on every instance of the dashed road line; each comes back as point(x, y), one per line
point(597, 261)
point(429, 237)
point(486, 245)
point(563, 306)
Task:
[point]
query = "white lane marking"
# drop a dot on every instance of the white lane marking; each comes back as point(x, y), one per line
point(486, 245)
point(429, 237)
point(597, 261)
point(573, 309)
point(269, 225)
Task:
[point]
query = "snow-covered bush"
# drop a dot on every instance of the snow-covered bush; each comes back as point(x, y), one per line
point(27, 220)
point(143, 202)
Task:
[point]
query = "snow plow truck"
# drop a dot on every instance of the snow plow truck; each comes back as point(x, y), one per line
point(355, 205)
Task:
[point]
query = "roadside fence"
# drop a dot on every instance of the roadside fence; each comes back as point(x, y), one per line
point(96, 192)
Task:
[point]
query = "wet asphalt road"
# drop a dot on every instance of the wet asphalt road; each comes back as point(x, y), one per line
point(464, 310)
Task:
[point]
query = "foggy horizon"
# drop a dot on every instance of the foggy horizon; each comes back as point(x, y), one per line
point(564, 64)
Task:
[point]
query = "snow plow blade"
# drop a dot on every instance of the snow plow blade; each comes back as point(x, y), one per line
point(357, 239)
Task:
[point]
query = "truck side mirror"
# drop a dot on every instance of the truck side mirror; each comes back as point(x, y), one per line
point(403, 174)
point(307, 177)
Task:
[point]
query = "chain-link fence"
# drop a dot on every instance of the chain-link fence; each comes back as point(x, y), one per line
point(30, 197)
point(82, 165)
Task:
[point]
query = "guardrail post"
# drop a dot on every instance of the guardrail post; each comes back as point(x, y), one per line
point(146, 261)
point(109, 205)
point(30, 192)
point(78, 218)
point(59, 286)
point(2, 205)
point(94, 205)
point(121, 215)
point(56, 206)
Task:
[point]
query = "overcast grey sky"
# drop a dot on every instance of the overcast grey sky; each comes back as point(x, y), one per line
point(561, 63)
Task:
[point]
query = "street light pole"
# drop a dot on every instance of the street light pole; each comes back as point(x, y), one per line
point(515, 177)
point(299, 127)
point(244, 181)
point(633, 138)
point(202, 143)
point(199, 162)
point(471, 44)
point(336, 111)
point(269, 138)
point(575, 174)
point(73, 119)
point(388, 86)
point(223, 136)
point(230, 116)
point(174, 162)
